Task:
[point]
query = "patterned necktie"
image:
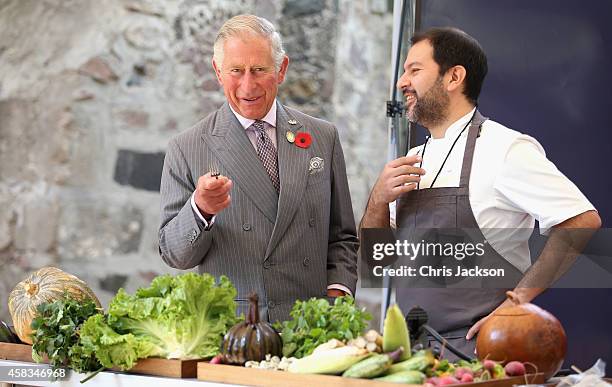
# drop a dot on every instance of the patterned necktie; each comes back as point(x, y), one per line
point(267, 153)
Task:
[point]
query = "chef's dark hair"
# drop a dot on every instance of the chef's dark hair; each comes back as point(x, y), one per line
point(453, 47)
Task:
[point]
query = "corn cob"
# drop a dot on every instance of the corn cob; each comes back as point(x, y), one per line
point(333, 361)
point(331, 344)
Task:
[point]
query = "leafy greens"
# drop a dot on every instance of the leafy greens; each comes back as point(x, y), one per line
point(56, 334)
point(315, 322)
point(177, 317)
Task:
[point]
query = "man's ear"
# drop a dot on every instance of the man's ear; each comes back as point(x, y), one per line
point(217, 71)
point(456, 78)
point(283, 69)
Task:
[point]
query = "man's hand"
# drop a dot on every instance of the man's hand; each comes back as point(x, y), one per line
point(335, 293)
point(515, 297)
point(399, 176)
point(212, 194)
point(476, 327)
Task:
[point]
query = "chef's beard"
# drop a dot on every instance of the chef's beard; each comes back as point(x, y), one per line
point(432, 108)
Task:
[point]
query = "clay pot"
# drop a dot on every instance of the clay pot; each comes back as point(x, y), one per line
point(523, 332)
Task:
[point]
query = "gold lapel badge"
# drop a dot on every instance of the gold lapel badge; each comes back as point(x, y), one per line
point(290, 136)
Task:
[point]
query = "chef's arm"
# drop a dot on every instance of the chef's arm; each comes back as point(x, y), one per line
point(567, 239)
point(376, 215)
point(565, 242)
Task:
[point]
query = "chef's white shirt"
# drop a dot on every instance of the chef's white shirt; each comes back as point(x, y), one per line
point(512, 184)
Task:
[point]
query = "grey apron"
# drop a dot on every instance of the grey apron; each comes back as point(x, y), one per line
point(451, 311)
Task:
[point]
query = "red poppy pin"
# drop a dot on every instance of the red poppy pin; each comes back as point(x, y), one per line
point(303, 139)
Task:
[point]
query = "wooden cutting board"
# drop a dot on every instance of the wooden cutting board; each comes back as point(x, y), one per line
point(19, 352)
point(256, 377)
point(152, 366)
point(167, 367)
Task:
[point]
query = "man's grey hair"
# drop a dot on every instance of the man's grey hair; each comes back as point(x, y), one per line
point(249, 24)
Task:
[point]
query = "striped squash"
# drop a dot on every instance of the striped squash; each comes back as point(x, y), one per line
point(46, 285)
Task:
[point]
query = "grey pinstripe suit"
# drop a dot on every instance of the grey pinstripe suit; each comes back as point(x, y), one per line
point(284, 247)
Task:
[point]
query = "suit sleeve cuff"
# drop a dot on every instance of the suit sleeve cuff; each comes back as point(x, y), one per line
point(207, 225)
point(340, 287)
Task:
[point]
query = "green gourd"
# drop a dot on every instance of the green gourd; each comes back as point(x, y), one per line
point(252, 339)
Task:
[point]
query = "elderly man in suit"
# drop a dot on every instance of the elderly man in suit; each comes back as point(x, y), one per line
point(258, 191)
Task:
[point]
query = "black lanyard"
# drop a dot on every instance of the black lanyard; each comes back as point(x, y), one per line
point(449, 151)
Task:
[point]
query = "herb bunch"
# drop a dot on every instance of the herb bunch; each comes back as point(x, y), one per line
point(315, 322)
point(56, 330)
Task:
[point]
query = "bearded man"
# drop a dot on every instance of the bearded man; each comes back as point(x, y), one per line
point(472, 173)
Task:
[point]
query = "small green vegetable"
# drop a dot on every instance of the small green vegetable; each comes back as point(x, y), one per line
point(395, 332)
point(373, 366)
point(418, 362)
point(474, 365)
point(315, 322)
point(443, 367)
point(409, 377)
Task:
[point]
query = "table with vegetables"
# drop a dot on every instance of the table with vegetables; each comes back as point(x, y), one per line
point(188, 322)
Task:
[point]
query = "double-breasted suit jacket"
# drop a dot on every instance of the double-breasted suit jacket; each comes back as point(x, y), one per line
point(284, 246)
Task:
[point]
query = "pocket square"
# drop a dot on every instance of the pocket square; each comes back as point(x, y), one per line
point(316, 165)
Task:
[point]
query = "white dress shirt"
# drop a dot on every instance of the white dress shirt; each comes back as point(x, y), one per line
point(512, 184)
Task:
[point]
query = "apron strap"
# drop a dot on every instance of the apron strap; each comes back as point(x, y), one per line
point(468, 156)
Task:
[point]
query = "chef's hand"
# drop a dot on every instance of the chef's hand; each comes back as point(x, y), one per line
point(517, 296)
point(212, 194)
point(399, 176)
point(476, 327)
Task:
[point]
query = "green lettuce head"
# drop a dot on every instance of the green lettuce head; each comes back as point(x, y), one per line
point(177, 317)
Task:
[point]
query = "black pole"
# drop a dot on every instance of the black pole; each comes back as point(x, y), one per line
point(411, 135)
point(398, 53)
point(395, 110)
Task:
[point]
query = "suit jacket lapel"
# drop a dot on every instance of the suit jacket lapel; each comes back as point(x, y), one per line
point(293, 173)
point(237, 154)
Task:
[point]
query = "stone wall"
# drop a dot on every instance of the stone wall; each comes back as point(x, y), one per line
point(91, 91)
